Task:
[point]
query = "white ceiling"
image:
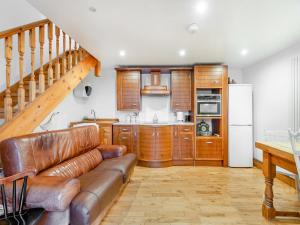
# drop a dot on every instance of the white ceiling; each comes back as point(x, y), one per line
point(153, 31)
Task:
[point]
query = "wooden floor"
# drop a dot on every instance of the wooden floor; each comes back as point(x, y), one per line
point(198, 195)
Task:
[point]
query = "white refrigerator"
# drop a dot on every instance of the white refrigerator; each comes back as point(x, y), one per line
point(240, 120)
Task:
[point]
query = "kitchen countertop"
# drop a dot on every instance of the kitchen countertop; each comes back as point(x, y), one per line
point(155, 124)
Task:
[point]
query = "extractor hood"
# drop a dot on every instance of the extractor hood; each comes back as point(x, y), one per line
point(155, 88)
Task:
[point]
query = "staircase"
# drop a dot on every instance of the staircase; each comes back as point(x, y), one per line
point(25, 104)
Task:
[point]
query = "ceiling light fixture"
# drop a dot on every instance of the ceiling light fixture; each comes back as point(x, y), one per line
point(193, 28)
point(244, 52)
point(201, 7)
point(182, 53)
point(122, 53)
point(92, 9)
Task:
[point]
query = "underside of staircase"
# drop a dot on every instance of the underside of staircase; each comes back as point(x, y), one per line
point(25, 104)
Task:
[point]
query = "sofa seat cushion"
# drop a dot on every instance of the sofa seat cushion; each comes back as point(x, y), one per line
point(98, 190)
point(125, 164)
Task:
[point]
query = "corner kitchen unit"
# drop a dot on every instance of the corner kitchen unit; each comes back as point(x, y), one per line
point(167, 143)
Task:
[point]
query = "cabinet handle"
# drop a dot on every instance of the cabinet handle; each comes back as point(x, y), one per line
point(153, 134)
point(133, 104)
point(208, 142)
point(124, 138)
point(216, 81)
point(157, 134)
point(177, 104)
point(186, 129)
point(124, 129)
point(186, 138)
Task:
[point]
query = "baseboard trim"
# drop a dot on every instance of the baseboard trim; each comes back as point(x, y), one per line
point(284, 178)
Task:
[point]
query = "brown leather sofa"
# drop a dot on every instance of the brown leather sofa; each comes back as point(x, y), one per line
point(76, 181)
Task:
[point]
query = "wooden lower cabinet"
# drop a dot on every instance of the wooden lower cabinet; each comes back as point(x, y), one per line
point(209, 149)
point(155, 143)
point(183, 144)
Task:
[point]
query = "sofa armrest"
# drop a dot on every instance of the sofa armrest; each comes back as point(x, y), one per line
point(112, 151)
point(51, 193)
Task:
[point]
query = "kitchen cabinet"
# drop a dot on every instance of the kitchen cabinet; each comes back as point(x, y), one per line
point(209, 148)
point(105, 128)
point(122, 135)
point(155, 143)
point(183, 143)
point(209, 77)
point(128, 90)
point(181, 91)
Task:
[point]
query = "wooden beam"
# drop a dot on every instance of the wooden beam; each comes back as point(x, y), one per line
point(26, 121)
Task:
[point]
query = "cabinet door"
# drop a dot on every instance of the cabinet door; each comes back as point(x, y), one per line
point(186, 146)
point(122, 136)
point(105, 134)
point(176, 145)
point(181, 91)
point(209, 76)
point(209, 148)
point(135, 139)
point(146, 143)
point(163, 143)
point(128, 90)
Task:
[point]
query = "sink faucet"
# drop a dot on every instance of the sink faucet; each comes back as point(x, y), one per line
point(93, 112)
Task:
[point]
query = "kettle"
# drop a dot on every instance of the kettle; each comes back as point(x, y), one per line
point(180, 117)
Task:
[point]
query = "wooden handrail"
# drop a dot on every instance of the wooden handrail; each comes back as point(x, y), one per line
point(15, 98)
point(16, 30)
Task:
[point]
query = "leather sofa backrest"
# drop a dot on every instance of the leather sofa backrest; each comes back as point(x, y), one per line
point(47, 149)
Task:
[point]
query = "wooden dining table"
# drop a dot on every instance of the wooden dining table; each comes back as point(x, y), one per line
point(275, 154)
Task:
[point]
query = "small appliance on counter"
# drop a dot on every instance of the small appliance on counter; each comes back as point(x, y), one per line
point(180, 117)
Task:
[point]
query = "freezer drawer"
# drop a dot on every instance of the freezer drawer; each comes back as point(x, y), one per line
point(240, 151)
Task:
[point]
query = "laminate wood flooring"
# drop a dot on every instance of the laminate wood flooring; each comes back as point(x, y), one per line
point(198, 195)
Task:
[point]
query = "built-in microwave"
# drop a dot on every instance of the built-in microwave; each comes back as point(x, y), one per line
point(209, 105)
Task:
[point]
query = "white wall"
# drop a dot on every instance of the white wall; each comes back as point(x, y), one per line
point(272, 82)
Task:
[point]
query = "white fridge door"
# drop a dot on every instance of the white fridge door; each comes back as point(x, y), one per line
point(240, 152)
point(240, 104)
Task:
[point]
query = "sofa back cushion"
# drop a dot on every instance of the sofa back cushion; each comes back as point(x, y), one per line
point(76, 166)
point(44, 150)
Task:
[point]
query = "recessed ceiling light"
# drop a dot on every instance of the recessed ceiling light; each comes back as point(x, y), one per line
point(122, 53)
point(92, 9)
point(182, 52)
point(244, 52)
point(201, 7)
point(193, 28)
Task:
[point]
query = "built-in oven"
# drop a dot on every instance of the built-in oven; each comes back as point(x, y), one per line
point(209, 105)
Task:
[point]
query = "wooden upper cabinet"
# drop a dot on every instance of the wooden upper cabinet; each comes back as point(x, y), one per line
point(128, 90)
point(209, 76)
point(181, 91)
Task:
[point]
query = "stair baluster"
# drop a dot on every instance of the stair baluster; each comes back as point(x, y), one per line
point(57, 65)
point(8, 113)
point(32, 83)
point(41, 74)
point(75, 54)
point(64, 62)
point(70, 54)
point(50, 68)
point(21, 90)
point(80, 54)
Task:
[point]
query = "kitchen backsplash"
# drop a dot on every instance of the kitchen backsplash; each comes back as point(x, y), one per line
point(160, 105)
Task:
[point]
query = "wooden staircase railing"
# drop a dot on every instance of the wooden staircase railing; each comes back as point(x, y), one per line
point(17, 97)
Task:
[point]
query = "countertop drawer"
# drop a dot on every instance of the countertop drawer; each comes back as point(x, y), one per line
point(186, 128)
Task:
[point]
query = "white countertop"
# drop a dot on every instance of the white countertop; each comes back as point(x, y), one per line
point(155, 124)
